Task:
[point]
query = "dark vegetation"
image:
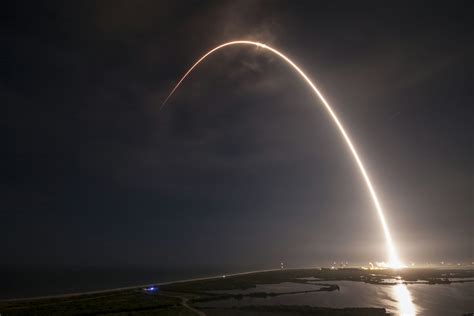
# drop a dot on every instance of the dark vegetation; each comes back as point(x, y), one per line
point(106, 304)
point(207, 297)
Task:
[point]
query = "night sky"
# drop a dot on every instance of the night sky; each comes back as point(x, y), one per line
point(243, 166)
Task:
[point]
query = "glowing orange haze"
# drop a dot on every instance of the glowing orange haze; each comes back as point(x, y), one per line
point(393, 260)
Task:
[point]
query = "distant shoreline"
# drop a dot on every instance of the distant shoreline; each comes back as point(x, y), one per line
point(66, 295)
point(109, 290)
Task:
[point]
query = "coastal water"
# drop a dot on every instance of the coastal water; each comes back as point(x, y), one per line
point(399, 299)
point(19, 282)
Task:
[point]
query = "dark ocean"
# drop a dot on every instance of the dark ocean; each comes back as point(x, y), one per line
point(19, 282)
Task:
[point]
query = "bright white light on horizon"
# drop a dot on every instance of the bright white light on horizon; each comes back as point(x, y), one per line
point(393, 259)
point(385, 265)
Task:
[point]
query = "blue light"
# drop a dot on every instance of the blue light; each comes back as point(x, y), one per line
point(151, 289)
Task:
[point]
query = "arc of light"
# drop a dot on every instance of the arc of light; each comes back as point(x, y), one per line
point(393, 260)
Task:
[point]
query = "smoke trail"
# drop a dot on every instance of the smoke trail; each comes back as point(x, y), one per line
point(393, 260)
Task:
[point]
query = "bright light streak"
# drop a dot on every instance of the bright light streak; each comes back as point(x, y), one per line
point(393, 260)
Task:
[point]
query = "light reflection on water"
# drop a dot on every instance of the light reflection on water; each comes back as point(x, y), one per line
point(402, 295)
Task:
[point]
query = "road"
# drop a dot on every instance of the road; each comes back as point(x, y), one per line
point(184, 303)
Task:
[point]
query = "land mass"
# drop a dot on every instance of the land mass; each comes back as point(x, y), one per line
point(190, 297)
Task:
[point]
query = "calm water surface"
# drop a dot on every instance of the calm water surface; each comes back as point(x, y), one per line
point(399, 299)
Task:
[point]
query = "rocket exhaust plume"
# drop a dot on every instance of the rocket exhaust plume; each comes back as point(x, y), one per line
point(393, 260)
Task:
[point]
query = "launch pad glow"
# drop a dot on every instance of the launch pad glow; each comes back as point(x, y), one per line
point(393, 259)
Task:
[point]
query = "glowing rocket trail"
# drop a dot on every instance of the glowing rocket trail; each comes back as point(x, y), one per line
point(393, 260)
